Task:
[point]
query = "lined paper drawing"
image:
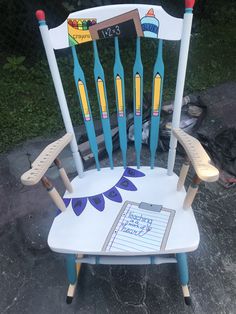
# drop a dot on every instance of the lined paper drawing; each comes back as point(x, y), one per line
point(139, 230)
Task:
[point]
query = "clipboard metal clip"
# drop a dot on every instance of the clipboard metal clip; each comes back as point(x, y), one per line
point(152, 207)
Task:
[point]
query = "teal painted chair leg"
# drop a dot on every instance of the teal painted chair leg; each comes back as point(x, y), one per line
point(182, 264)
point(72, 276)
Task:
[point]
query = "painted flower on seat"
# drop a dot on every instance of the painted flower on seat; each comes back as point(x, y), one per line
point(98, 201)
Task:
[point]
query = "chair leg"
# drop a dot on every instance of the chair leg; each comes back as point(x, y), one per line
point(73, 270)
point(183, 275)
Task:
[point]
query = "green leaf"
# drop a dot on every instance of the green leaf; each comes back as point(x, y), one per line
point(22, 68)
point(6, 66)
point(20, 59)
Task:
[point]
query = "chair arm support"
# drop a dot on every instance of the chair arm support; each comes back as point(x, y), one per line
point(44, 160)
point(198, 156)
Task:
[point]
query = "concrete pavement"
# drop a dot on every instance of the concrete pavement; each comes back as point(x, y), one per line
point(33, 280)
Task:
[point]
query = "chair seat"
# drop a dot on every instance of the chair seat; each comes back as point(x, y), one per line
point(85, 225)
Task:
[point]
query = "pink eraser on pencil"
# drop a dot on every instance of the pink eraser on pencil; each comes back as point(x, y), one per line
point(189, 4)
point(40, 15)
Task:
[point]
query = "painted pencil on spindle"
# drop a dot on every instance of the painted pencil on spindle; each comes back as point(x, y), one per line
point(118, 74)
point(157, 94)
point(155, 120)
point(138, 101)
point(84, 101)
point(100, 83)
point(137, 94)
point(157, 85)
point(88, 121)
point(85, 106)
point(119, 96)
point(102, 98)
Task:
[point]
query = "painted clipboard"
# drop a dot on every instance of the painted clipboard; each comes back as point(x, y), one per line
point(140, 228)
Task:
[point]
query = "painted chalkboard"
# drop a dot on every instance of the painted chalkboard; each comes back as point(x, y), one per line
point(124, 25)
point(125, 29)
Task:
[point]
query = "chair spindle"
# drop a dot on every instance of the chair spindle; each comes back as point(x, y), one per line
point(183, 173)
point(103, 102)
point(55, 196)
point(118, 72)
point(138, 101)
point(191, 193)
point(85, 106)
point(63, 175)
point(157, 87)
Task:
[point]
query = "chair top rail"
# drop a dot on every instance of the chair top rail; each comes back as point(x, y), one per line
point(44, 160)
point(124, 20)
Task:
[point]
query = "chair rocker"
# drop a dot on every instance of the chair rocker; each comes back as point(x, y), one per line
point(131, 214)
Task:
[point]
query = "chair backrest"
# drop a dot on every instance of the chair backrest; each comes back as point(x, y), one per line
point(114, 21)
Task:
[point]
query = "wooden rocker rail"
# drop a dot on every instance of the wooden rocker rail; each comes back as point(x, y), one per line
point(199, 158)
point(44, 160)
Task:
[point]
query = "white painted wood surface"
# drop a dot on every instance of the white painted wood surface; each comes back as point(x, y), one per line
point(85, 234)
point(61, 95)
point(127, 260)
point(179, 91)
point(170, 28)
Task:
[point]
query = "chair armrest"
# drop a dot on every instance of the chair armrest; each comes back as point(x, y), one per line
point(198, 156)
point(44, 160)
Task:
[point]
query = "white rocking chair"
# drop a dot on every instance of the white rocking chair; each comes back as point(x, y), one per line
point(130, 214)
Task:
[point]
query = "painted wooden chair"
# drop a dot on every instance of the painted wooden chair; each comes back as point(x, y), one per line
point(96, 222)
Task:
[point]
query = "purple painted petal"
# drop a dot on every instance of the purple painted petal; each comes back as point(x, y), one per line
point(130, 172)
point(126, 184)
point(66, 201)
point(97, 201)
point(58, 211)
point(78, 204)
point(114, 195)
